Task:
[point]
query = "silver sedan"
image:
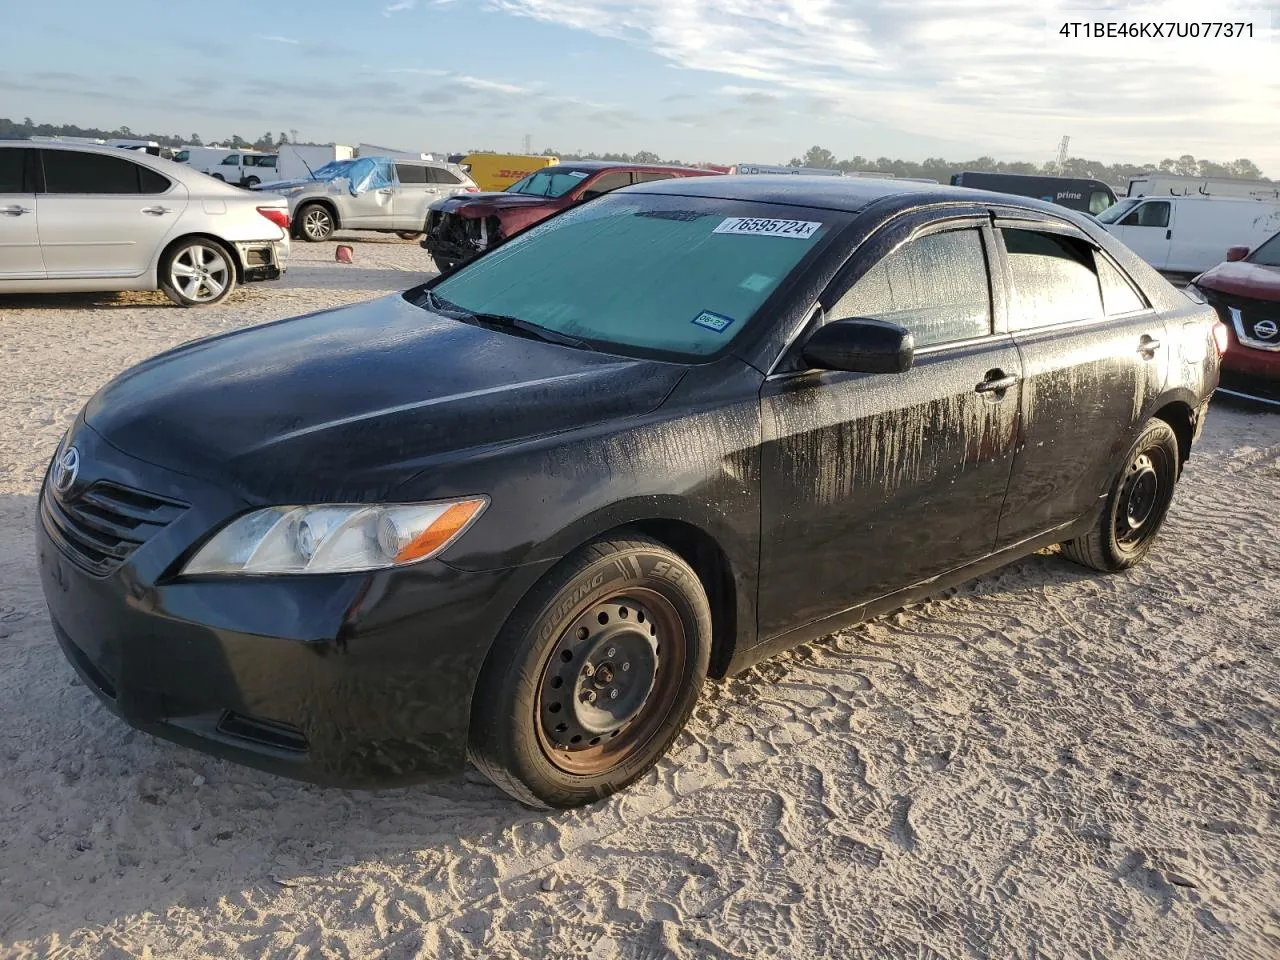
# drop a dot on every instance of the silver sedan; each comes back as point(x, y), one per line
point(98, 218)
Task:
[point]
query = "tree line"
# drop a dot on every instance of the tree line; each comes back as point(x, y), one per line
point(13, 130)
point(1115, 174)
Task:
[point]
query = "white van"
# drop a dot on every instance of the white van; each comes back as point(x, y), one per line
point(1189, 234)
point(1172, 185)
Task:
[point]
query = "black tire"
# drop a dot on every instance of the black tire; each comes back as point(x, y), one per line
point(198, 272)
point(1136, 506)
point(218, 176)
point(532, 695)
point(315, 222)
point(251, 182)
point(407, 235)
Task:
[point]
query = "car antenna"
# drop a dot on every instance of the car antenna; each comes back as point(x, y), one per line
point(304, 162)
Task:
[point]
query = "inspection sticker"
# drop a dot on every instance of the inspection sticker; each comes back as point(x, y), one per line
point(713, 321)
point(760, 227)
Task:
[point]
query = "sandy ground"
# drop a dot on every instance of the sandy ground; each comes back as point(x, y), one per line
point(1043, 763)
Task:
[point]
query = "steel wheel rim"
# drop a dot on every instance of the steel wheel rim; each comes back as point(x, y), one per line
point(1145, 492)
point(317, 224)
point(590, 735)
point(200, 273)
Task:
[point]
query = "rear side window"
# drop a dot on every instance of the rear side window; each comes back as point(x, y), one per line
point(1099, 201)
point(411, 173)
point(68, 172)
point(608, 182)
point(441, 175)
point(1118, 294)
point(1153, 213)
point(13, 177)
point(650, 176)
point(935, 286)
point(1053, 280)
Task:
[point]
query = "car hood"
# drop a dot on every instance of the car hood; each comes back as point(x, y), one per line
point(349, 403)
point(1243, 279)
point(493, 201)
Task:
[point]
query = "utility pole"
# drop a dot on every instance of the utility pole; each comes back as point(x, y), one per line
point(528, 143)
point(1062, 155)
point(293, 135)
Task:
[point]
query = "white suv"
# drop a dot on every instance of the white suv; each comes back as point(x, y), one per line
point(369, 193)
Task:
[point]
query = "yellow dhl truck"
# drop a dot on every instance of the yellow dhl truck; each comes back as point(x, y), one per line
point(497, 171)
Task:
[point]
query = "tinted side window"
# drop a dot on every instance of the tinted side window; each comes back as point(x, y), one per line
point(68, 172)
point(1118, 294)
point(609, 181)
point(13, 171)
point(411, 173)
point(231, 161)
point(651, 175)
point(151, 182)
point(441, 175)
point(1053, 279)
point(1098, 201)
point(1152, 214)
point(936, 287)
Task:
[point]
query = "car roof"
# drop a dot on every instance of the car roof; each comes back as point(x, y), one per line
point(849, 194)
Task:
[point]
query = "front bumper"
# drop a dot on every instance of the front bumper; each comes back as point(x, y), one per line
point(453, 240)
point(1250, 372)
point(346, 680)
point(264, 259)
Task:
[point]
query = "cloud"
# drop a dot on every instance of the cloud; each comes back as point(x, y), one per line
point(398, 7)
point(986, 72)
point(496, 86)
point(279, 39)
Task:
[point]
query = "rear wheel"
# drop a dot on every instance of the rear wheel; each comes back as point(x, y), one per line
point(1136, 506)
point(592, 679)
point(407, 235)
point(315, 222)
point(197, 273)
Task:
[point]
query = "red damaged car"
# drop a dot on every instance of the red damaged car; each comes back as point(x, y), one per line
point(463, 227)
point(1245, 290)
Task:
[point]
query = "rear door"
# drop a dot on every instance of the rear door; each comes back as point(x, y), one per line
point(102, 215)
point(20, 257)
point(1094, 361)
point(873, 482)
point(413, 194)
point(1147, 230)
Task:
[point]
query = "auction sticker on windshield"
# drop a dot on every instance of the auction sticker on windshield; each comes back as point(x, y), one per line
point(761, 227)
point(713, 321)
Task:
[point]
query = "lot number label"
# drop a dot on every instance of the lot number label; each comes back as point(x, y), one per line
point(760, 227)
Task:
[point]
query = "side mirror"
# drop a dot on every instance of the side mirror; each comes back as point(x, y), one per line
point(1237, 253)
point(859, 345)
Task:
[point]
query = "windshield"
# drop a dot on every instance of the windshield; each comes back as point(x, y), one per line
point(551, 182)
point(1267, 255)
point(1117, 210)
point(675, 277)
point(332, 169)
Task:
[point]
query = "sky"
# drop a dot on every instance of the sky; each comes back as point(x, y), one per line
point(726, 81)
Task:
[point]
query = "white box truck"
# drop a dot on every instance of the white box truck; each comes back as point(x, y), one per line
point(298, 161)
point(1190, 234)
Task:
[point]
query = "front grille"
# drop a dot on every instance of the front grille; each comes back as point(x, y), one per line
point(99, 527)
point(1250, 312)
point(460, 231)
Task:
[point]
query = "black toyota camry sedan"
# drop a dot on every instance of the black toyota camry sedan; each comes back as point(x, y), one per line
point(519, 513)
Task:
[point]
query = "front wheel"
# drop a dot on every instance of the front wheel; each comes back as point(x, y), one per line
point(407, 235)
point(251, 182)
point(197, 273)
point(594, 675)
point(1136, 505)
point(315, 222)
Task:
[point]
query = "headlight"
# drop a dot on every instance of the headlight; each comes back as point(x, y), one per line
point(335, 538)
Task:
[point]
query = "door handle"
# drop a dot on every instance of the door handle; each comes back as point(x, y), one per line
point(15, 210)
point(1148, 346)
point(996, 384)
point(156, 211)
point(1168, 234)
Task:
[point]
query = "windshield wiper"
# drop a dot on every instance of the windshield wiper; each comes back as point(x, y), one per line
point(502, 321)
point(499, 321)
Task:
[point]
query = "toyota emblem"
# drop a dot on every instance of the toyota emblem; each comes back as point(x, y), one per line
point(65, 469)
point(1265, 329)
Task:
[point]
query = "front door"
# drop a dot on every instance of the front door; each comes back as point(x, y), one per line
point(871, 483)
point(1093, 365)
point(373, 206)
point(19, 239)
point(102, 215)
point(1147, 230)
